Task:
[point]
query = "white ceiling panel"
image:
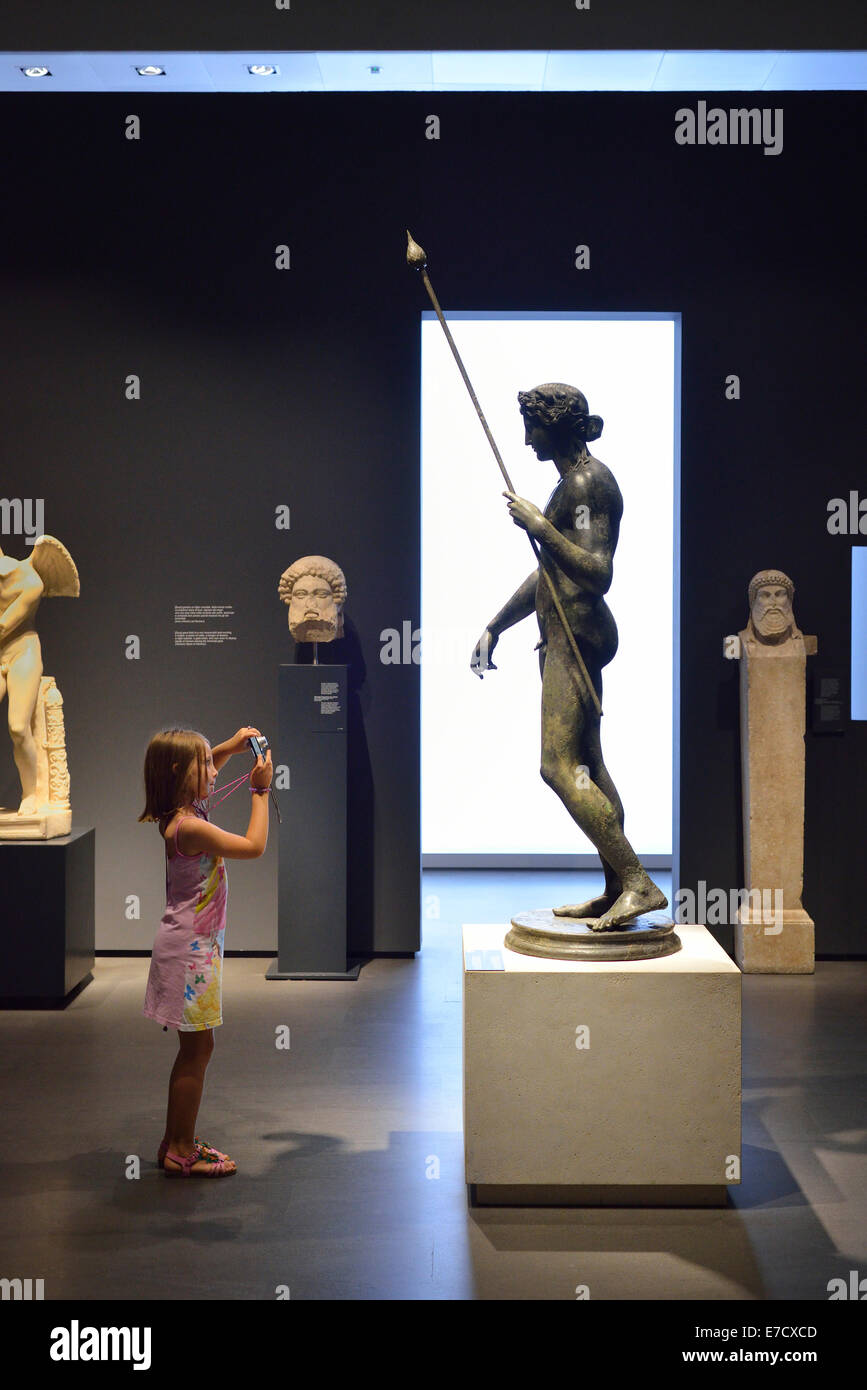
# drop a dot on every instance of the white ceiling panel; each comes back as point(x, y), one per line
point(602, 71)
point(398, 72)
point(713, 72)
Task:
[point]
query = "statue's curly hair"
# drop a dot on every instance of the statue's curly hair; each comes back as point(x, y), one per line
point(764, 577)
point(556, 406)
point(322, 568)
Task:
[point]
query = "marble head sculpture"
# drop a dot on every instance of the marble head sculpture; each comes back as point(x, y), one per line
point(772, 620)
point(315, 590)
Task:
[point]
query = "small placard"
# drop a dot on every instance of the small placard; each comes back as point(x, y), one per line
point(829, 700)
point(328, 698)
point(194, 624)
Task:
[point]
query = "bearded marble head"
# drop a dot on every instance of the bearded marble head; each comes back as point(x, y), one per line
point(315, 590)
point(772, 620)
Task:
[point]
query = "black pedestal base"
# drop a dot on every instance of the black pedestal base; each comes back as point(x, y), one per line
point(311, 894)
point(274, 973)
point(47, 913)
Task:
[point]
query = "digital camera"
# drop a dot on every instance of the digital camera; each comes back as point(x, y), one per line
point(259, 744)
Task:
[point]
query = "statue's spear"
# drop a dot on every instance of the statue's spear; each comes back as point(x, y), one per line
point(417, 258)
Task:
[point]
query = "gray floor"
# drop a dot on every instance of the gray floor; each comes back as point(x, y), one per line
point(349, 1145)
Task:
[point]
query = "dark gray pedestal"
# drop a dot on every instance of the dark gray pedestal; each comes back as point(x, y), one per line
point(46, 918)
point(311, 900)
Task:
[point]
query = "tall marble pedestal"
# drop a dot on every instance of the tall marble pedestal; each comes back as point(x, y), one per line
point(601, 1082)
point(774, 934)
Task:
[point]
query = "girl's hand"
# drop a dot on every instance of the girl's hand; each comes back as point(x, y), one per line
point(263, 771)
point(239, 742)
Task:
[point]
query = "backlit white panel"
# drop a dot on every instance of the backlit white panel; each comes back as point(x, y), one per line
point(859, 632)
point(481, 789)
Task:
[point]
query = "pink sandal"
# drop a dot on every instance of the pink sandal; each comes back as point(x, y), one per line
point(208, 1151)
point(217, 1167)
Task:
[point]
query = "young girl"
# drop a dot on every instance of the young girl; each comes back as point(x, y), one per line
point(184, 989)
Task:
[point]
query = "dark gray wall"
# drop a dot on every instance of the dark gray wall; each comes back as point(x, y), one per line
point(302, 387)
point(259, 388)
point(417, 24)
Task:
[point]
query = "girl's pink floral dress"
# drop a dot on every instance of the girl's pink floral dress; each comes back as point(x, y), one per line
point(185, 982)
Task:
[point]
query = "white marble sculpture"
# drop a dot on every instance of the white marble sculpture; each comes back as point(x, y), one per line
point(773, 932)
point(35, 705)
point(315, 590)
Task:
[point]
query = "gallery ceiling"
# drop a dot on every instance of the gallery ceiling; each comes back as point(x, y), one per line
point(528, 71)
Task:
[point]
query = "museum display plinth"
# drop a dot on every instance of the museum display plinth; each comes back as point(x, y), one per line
point(784, 947)
point(774, 935)
point(46, 919)
point(601, 1082)
point(311, 895)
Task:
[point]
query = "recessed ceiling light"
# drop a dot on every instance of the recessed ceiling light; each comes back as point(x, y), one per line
point(263, 70)
point(36, 72)
point(151, 71)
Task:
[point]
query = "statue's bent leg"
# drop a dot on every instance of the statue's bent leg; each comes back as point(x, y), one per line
point(23, 677)
point(632, 893)
point(593, 907)
point(571, 764)
point(598, 773)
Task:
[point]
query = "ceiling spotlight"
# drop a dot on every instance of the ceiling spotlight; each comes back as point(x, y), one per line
point(263, 70)
point(151, 71)
point(36, 72)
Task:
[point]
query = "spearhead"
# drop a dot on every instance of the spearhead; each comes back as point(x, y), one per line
point(415, 254)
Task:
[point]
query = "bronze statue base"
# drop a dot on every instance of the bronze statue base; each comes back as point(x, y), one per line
point(540, 933)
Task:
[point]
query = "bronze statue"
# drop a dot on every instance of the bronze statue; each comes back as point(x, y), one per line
point(577, 535)
point(573, 542)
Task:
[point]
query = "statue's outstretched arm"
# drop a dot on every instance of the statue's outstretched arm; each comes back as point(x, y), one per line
point(520, 606)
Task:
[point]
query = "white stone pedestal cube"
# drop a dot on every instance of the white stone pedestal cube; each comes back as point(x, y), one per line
point(601, 1083)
